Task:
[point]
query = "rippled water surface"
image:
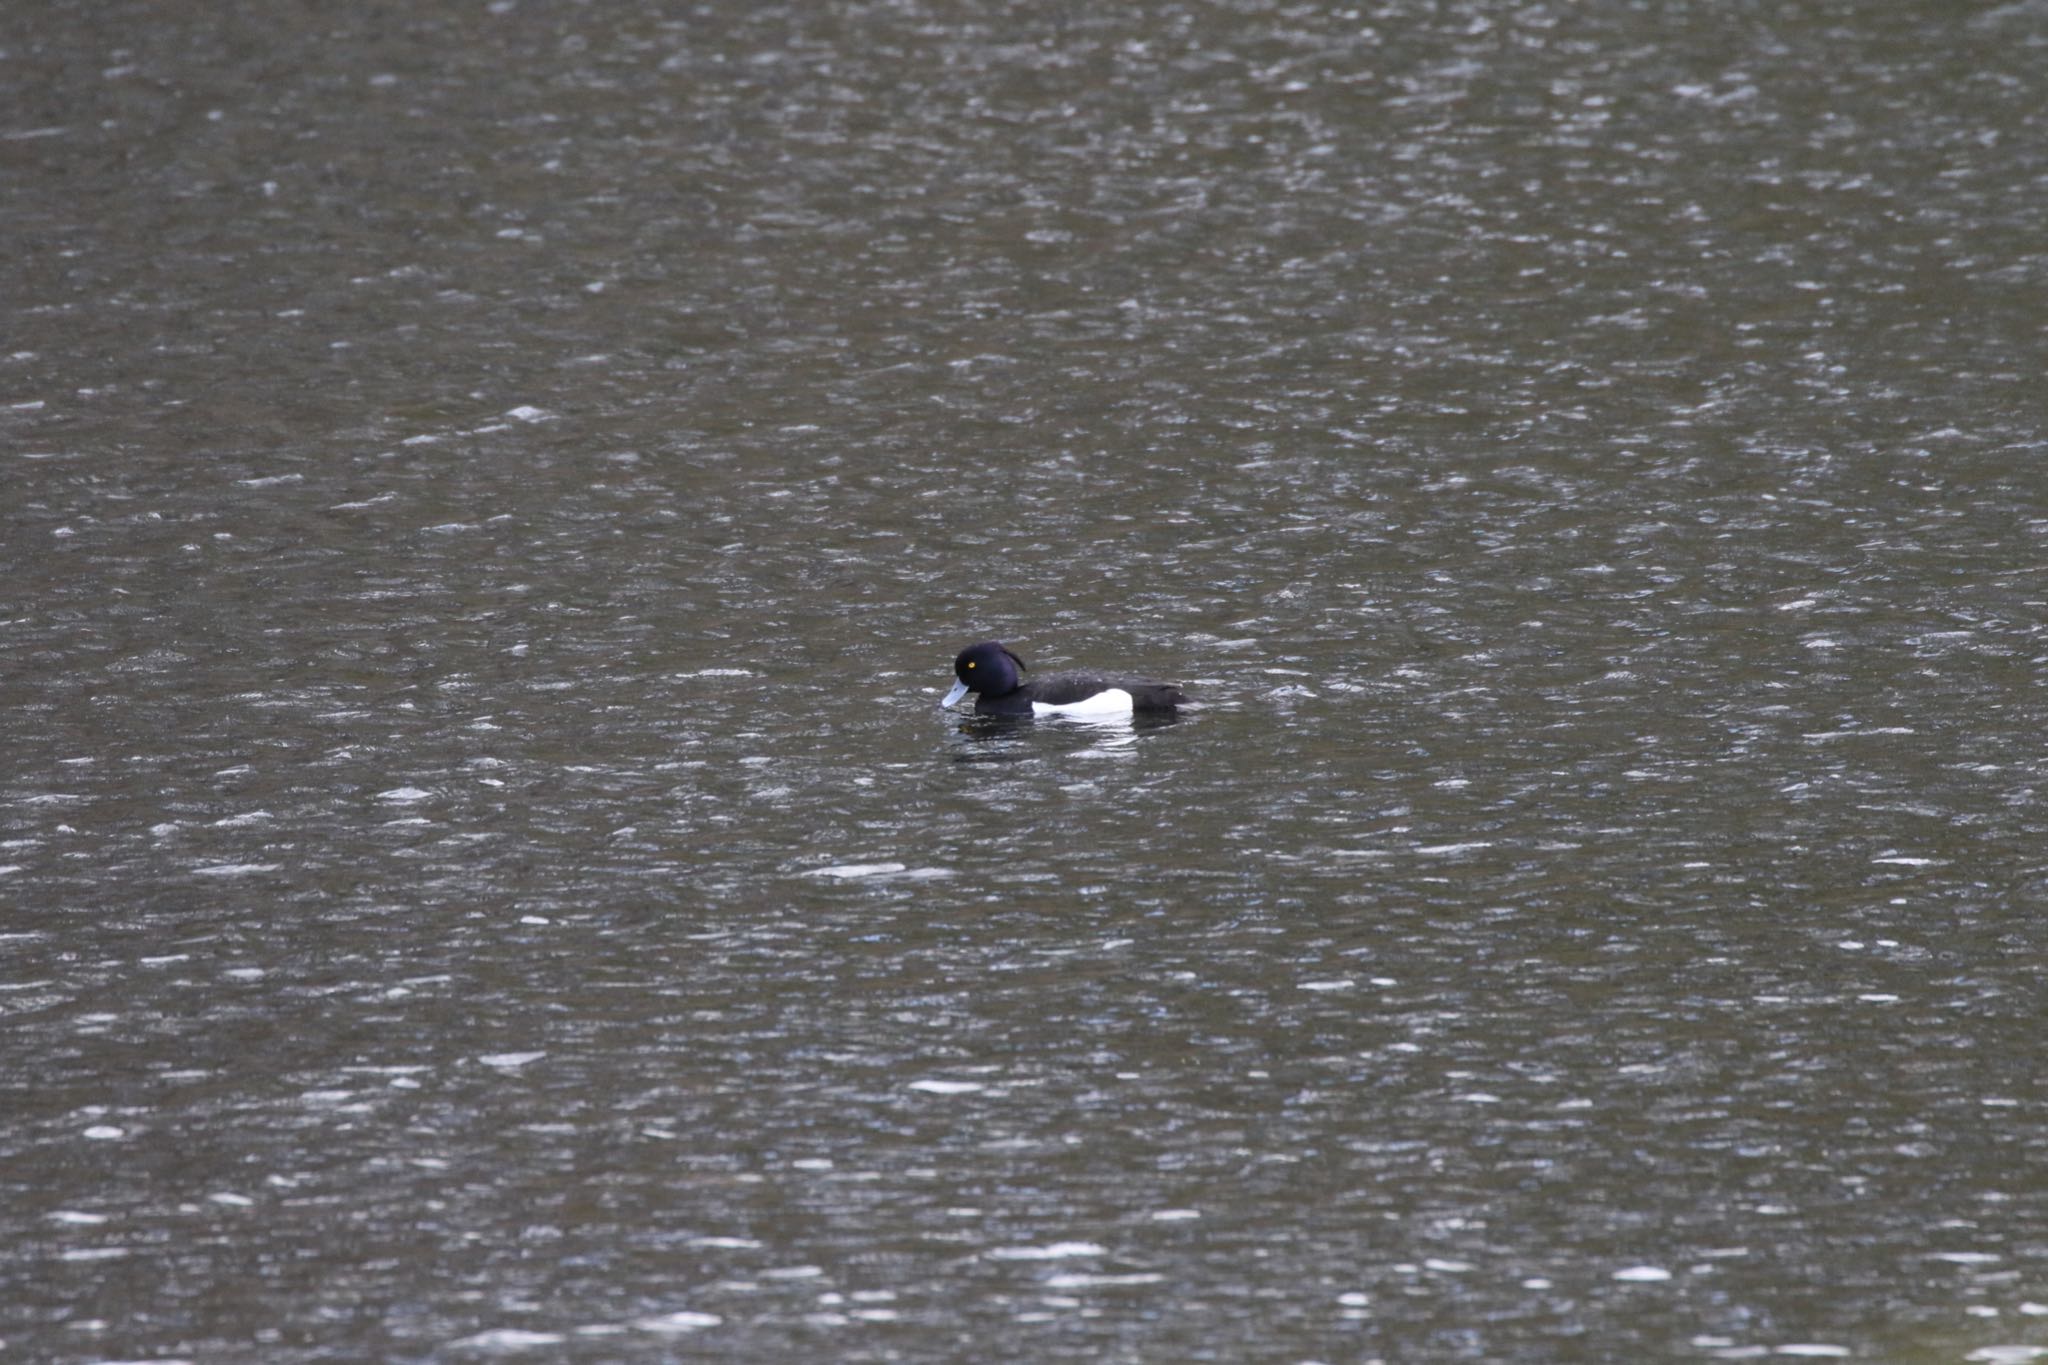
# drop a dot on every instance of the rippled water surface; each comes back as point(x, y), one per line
point(488, 496)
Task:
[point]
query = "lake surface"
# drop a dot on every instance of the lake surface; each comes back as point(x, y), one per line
point(489, 495)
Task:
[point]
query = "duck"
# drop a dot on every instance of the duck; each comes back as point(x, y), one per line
point(993, 672)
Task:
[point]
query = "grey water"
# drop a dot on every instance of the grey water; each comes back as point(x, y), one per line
point(489, 495)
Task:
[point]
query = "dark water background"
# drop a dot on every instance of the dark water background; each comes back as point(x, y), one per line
point(489, 492)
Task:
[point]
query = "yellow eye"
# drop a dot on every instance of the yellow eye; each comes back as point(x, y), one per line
point(970, 663)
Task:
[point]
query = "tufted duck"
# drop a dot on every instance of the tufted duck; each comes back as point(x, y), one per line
point(991, 671)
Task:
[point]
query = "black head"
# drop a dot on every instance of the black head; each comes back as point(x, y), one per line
point(988, 668)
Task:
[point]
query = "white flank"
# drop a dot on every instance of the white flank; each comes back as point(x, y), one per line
point(1112, 701)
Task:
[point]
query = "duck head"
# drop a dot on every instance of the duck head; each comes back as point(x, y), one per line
point(988, 668)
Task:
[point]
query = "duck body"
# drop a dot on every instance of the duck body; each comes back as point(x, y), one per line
point(995, 676)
